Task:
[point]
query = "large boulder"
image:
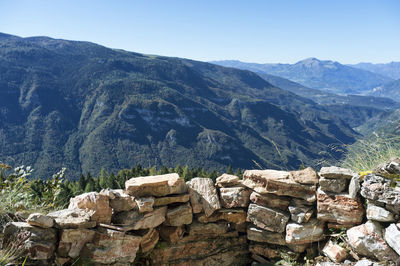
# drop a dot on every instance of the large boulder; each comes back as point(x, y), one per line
point(110, 246)
point(35, 242)
point(133, 220)
point(367, 240)
point(72, 218)
point(96, 202)
point(158, 185)
point(203, 195)
point(234, 197)
point(267, 218)
point(309, 232)
point(339, 208)
point(72, 241)
point(279, 183)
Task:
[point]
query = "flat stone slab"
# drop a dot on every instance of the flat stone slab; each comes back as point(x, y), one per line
point(158, 185)
point(203, 195)
point(133, 220)
point(300, 213)
point(339, 208)
point(279, 183)
point(334, 252)
point(270, 200)
point(235, 216)
point(41, 220)
point(336, 172)
point(259, 235)
point(163, 201)
point(309, 232)
point(336, 185)
point(267, 218)
point(227, 180)
point(145, 204)
point(72, 219)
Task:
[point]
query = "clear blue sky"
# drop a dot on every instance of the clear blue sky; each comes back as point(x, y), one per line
point(348, 31)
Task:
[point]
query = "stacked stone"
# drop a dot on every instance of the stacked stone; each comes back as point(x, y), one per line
point(338, 204)
point(379, 237)
point(214, 236)
point(281, 213)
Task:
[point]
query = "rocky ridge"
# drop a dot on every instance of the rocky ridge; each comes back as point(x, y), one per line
point(269, 215)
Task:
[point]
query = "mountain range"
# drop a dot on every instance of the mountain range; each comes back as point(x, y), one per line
point(87, 107)
point(324, 75)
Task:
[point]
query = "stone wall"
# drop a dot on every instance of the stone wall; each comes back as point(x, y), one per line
point(268, 216)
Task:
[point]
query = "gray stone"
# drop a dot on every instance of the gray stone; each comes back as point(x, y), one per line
point(336, 172)
point(354, 186)
point(234, 197)
point(38, 219)
point(333, 184)
point(379, 214)
point(73, 219)
point(135, 220)
point(267, 218)
point(203, 195)
point(259, 235)
point(300, 213)
point(367, 240)
point(379, 189)
point(392, 237)
point(309, 232)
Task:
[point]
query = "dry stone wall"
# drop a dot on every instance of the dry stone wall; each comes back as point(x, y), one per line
point(269, 215)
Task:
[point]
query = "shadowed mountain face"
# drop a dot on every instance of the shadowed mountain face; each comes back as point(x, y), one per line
point(327, 76)
point(84, 106)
